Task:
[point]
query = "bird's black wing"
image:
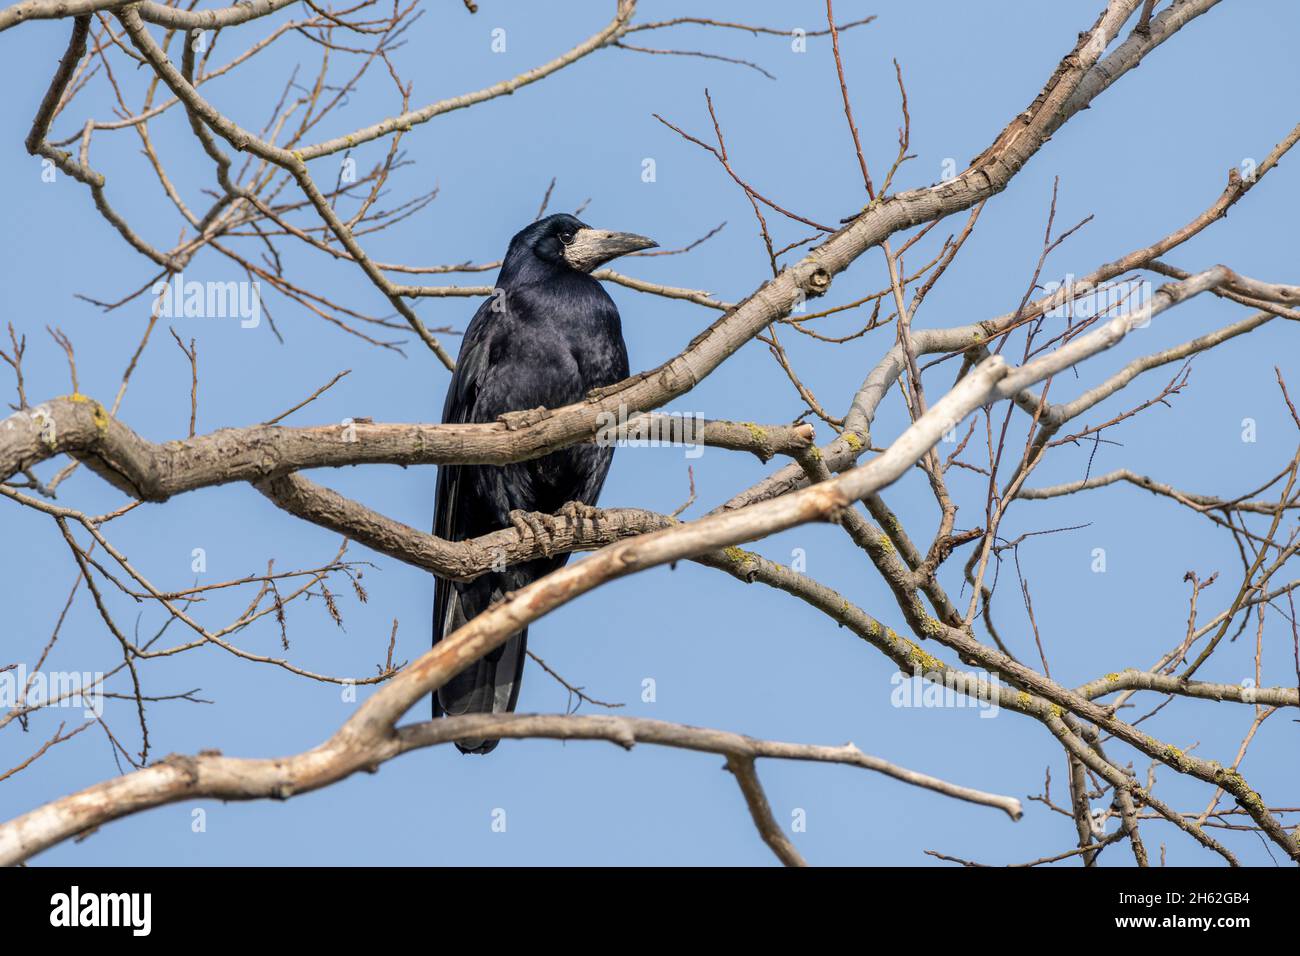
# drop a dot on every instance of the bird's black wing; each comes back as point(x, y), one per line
point(472, 500)
point(532, 347)
point(452, 512)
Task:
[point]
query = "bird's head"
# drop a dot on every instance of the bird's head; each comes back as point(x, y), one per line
point(566, 241)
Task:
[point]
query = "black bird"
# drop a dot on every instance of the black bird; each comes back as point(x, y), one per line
point(547, 336)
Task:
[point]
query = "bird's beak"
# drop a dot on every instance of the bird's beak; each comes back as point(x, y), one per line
point(594, 247)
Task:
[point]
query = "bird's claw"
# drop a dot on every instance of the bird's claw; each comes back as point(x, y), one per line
point(545, 528)
point(576, 511)
point(540, 526)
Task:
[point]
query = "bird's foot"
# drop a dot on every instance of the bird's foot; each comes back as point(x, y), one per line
point(541, 526)
point(577, 511)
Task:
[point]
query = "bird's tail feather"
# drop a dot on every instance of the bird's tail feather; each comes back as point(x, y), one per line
point(488, 686)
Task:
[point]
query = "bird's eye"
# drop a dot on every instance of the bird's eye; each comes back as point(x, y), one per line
point(566, 238)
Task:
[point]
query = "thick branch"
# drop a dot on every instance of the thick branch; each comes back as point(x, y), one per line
point(179, 777)
point(81, 427)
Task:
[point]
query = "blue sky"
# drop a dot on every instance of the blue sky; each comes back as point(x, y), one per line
point(1151, 153)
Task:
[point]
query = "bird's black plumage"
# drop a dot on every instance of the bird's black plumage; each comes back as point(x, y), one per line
point(547, 336)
